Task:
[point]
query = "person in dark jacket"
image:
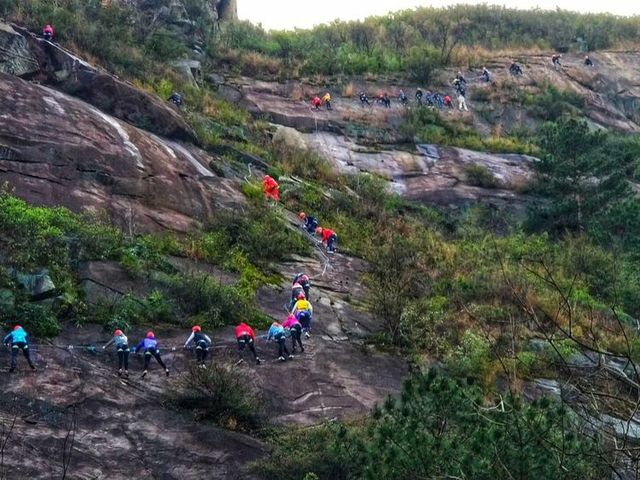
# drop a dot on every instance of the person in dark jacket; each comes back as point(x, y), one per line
point(202, 343)
point(47, 33)
point(588, 62)
point(150, 347)
point(176, 99)
point(18, 340)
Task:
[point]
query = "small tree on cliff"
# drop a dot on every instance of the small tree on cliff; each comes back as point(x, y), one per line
point(578, 175)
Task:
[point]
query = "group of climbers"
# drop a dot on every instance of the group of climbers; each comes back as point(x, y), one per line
point(317, 103)
point(149, 346)
point(328, 236)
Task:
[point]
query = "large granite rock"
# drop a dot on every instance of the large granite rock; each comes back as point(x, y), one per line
point(58, 150)
point(15, 56)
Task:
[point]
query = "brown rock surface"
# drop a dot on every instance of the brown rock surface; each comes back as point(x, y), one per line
point(58, 150)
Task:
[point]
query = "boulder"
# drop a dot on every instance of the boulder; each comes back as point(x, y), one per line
point(37, 284)
point(68, 73)
point(58, 150)
point(15, 56)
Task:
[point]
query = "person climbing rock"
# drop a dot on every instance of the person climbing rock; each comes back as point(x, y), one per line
point(18, 340)
point(278, 334)
point(364, 100)
point(150, 347)
point(439, 100)
point(122, 350)
point(384, 99)
point(176, 99)
point(461, 79)
point(202, 343)
point(403, 98)
point(555, 60)
point(271, 188)
point(462, 103)
point(486, 75)
point(459, 86)
point(327, 101)
point(309, 223)
point(47, 33)
point(329, 237)
point(246, 338)
point(303, 311)
point(293, 325)
point(587, 61)
point(419, 96)
point(303, 280)
point(430, 99)
point(515, 69)
point(447, 102)
point(316, 103)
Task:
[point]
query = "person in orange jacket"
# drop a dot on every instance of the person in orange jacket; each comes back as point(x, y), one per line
point(271, 188)
point(329, 237)
point(316, 103)
point(246, 338)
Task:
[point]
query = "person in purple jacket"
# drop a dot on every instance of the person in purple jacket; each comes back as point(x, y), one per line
point(150, 347)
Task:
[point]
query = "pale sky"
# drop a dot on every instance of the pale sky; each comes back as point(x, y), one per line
point(288, 14)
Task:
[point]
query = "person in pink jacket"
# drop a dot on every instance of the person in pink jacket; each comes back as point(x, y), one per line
point(47, 32)
point(295, 327)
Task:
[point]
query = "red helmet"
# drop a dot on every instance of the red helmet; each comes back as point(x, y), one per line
point(319, 231)
point(117, 332)
point(17, 327)
point(196, 329)
point(303, 215)
point(151, 335)
point(301, 296)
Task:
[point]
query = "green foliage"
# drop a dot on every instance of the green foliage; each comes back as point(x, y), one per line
point(472, 358)
point(439, 428)
point(552, 104)
point(130, 310)
point(38, 320)
point(220, 395)
point(480, 176)
point(162, 45)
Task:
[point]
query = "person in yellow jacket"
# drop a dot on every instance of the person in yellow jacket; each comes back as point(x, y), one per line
point(327, 101)
point(303, 311)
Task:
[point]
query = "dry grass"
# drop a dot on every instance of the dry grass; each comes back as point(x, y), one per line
point(371, 117)
point(296, 93)
point(349, 91)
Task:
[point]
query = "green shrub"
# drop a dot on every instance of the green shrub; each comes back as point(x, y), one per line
point(480, 176)
point(38, 320)
point(220, 395)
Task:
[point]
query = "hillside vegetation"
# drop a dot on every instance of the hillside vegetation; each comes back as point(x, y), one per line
point(482, 305)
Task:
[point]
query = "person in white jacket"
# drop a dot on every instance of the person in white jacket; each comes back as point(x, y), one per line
point(202, 343)
point(462, 103)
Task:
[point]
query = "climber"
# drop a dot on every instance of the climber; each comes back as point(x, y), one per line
point(18, 341)
point(47, 33)
point(202, 343)
point(327, 101)
point(587, 61)
point(439, 101)
point(363, 99)
point(176, 99)
point(429, 98)
point(329, 237)
point(293, 325)
point(419, 96)
point(316, 103)
point(277, 334)
point(461, 79)
point(514, 68)
point(246, 338)
point(303, 280)
point(270, 188)
point(459, 86)
point(403, 98)
point(303, 311)
point(555, 60)
point(486, 75)
point(122, 349)
point(384, 99)
point(462, 103)
point(309, 223)
point(447, 102)
point(150, 347)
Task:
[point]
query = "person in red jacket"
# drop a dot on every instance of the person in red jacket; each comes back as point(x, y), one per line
point(316, 103)
point(270, 188)
point(246, 338)
point(47, 32)
point(329, 237)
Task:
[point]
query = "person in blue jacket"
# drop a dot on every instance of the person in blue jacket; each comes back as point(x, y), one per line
point(150, 347)
point(18, 341)
point(202, 343)
point(122, 349)
point(278, 334)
